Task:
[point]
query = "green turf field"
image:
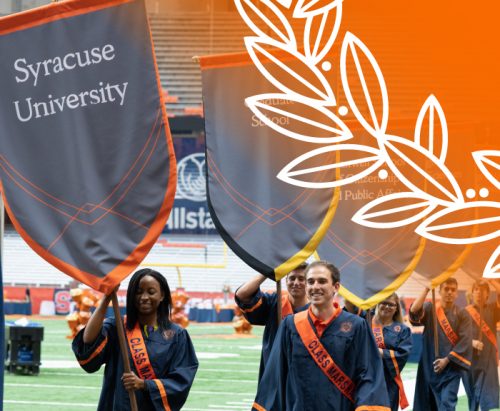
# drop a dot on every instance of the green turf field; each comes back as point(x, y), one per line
point(226, 379)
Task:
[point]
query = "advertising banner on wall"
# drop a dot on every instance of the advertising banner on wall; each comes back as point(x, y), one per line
point(190, 213)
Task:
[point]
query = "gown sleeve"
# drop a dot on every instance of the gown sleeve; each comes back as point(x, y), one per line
point(461, 354)
point(271, 393)
point(396, 355)
point(258, 309)
point(371, 391)
point(92, 356)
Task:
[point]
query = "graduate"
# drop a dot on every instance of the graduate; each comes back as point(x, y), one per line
point(261, 308)
point(438, 375)
point(394, 343)
point(481, 380)
point(163, 363)
point(323, 358)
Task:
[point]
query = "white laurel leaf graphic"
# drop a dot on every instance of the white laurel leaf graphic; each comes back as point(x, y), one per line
point(371, 214)
point(328, 127)
point(488, 161)
point(316, 29)
point(430, 108)
point(492, 268)
point(441, 180)
point(367, 155)
point(279, 57)
point(308, 8)
point(267, 13)
point(376, 124)
point(455, 213)
point(285, 3)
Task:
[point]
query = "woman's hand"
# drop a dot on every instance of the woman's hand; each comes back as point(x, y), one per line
point(478, 345)
point(132, 382)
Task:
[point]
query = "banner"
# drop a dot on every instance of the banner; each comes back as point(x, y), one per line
point(269, 224)
point(87, 164)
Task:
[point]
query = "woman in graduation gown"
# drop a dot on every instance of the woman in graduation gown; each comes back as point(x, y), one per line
point(394, 344)
point(161, 355)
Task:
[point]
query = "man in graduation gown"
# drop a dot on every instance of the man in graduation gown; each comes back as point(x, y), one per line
point(438, 375)
point(261, 308)
point(323, 358)
point(481, 380)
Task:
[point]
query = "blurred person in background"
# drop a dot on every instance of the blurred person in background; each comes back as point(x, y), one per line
point(481, 380)
point(394, 343)
point(438, 375)
point(261, 308)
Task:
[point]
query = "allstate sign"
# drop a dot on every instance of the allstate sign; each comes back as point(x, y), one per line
point(190, 213)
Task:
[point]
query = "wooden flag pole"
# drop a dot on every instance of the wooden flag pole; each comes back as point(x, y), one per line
point(278, 302)
point(123, 346)
point(435, 325)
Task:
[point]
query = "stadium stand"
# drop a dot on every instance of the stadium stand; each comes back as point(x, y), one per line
point(178, 38)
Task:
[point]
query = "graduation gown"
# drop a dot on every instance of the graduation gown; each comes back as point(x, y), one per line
point(262, 310)
point(173, 360)
point(293, 381)
point(481, 380)
point(438, 392)
point(397, 343)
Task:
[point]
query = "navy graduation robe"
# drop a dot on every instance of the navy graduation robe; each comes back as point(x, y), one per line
point(438, 392)
point(481, 380)
point(398, 343)
point(172, 357)
point(262, 310)
point(293, 382)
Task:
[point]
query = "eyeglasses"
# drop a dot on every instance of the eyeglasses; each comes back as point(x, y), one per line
point(388, 304)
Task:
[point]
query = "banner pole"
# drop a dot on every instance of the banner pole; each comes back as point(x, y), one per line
point(2, 312)
point(278, 302)
point(434, 325)
point(123, 346)
point(368, 317)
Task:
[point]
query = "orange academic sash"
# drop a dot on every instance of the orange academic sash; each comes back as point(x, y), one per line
point(378, 333)
point(482, 324)
point(141, 361)
point(321, 357)
point(286, 306)
point(445, 325)
point(140, 354)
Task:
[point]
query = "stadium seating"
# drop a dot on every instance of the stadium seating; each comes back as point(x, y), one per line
point(180, 37)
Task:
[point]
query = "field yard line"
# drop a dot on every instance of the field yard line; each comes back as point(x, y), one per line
point(223, 380)
point(69, 404)
point(239, 403)
point(58, 386)
point(256, 361)
point(231, 407)
point(244, 347)
point(219, 393)
point(71, 374)
point(79, 375)
point(98, 388)
point(224, 370)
